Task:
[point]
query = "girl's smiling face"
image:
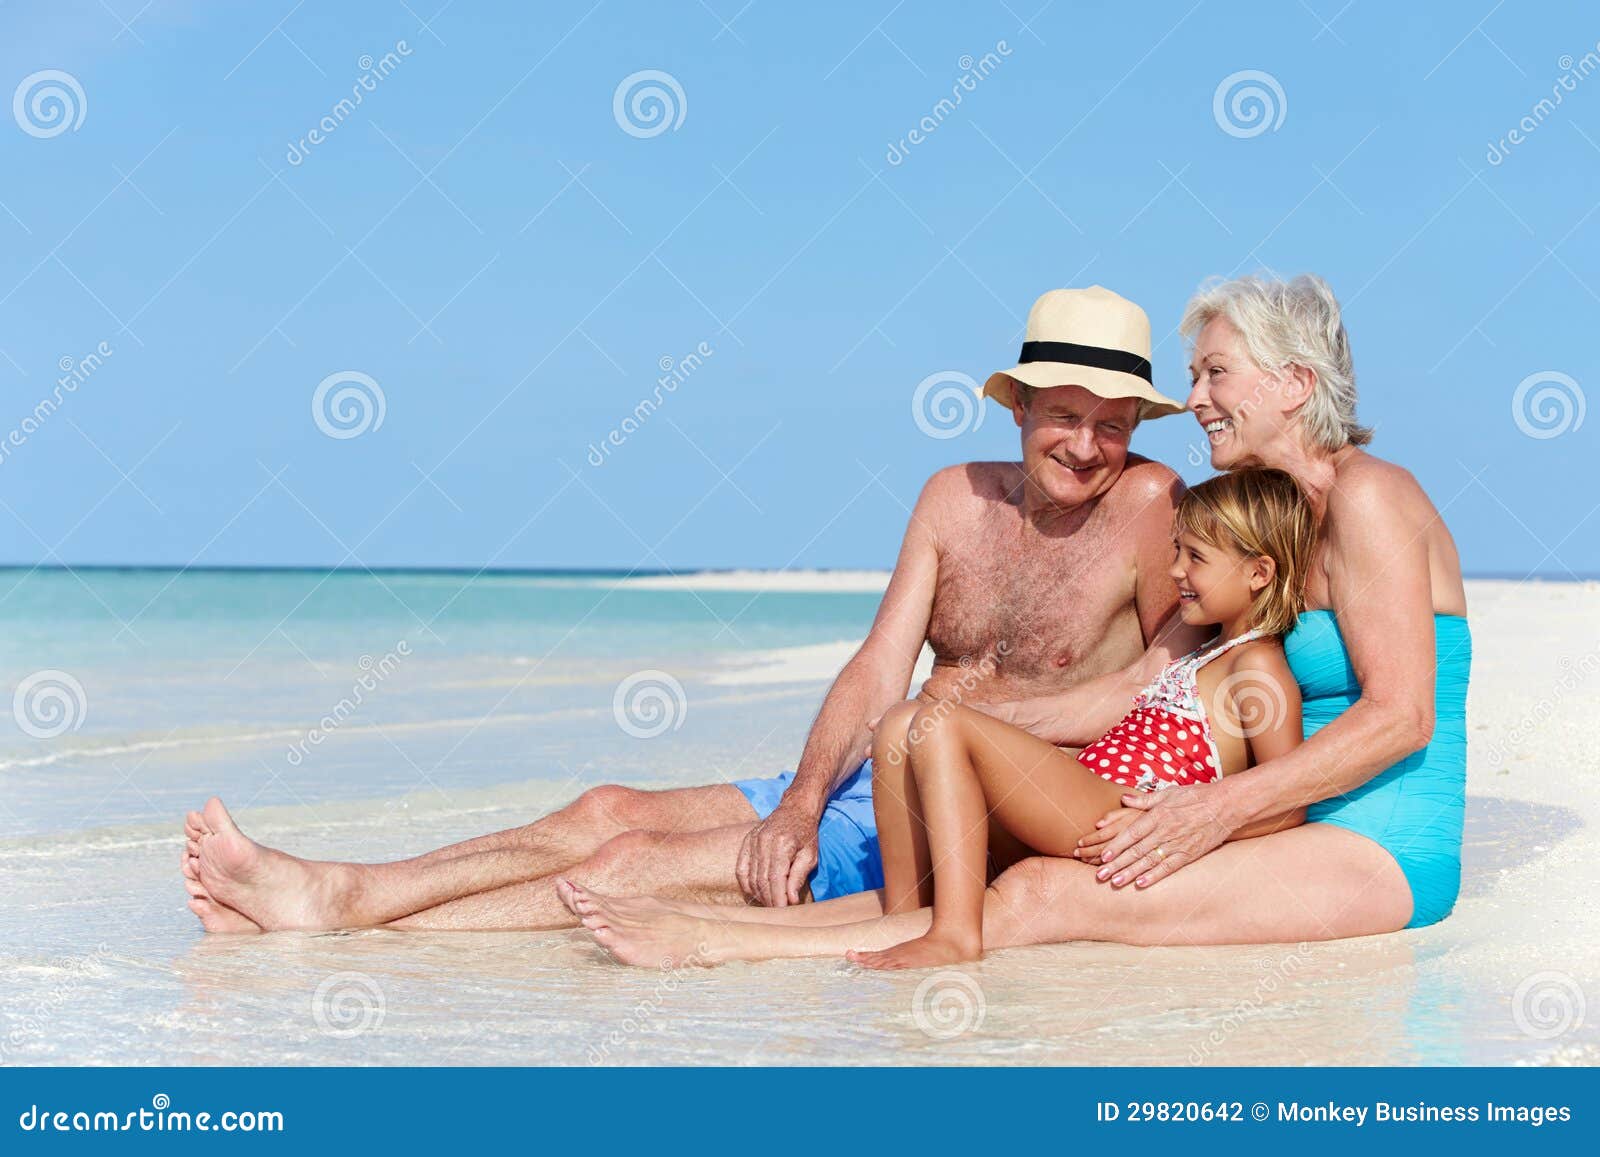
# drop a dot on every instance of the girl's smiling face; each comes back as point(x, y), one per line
point(1215, 584)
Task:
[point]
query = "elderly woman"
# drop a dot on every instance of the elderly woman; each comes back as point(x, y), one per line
point(1381, 656)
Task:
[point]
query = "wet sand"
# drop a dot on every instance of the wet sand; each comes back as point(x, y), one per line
point(105, 965)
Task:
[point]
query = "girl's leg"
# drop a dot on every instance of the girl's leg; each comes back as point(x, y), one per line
point(968, 768)
point(1037, 792)
point(902, 835)
point(1310, 883)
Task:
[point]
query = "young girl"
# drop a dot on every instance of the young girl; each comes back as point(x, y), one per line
point(1244, 541)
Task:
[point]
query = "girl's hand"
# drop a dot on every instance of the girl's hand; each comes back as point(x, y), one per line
point(1179, 825)
point(1107, 828)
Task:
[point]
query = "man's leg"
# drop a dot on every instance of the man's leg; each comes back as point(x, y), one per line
point(1314, 882)
point(698, 867)
point(276, 890)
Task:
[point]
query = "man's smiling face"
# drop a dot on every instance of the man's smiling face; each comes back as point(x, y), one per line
point(1074, 442)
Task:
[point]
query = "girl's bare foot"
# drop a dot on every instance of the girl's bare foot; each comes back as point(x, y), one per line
point(638, 935)
point(274, 890)
point(214, 917)
point(928, 951)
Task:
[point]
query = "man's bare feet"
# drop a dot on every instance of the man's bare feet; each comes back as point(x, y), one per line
point(581, 902)
point(274, 890)
point(928, 951)
point(214, 917)
point(640, 931)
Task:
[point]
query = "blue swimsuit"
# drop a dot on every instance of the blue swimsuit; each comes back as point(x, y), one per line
point(1414, 809)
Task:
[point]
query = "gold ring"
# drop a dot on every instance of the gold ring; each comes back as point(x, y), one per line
point(1160, 855)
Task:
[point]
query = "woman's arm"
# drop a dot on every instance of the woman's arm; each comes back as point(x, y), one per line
point(1377, 568)
point(1378, 582)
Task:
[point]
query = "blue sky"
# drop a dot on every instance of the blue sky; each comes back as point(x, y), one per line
point(484, 239)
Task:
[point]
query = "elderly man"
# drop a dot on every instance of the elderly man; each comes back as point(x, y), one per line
point(1023, 577)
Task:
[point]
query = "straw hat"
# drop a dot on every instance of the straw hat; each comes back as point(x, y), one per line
point(1091, 338)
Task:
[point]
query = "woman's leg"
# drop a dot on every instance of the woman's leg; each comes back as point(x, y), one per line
point(1315, 882)
point(902, 835)
point(969, 767)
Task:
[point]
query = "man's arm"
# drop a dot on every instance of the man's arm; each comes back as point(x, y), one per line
point(1086, 711)
point(780, 852)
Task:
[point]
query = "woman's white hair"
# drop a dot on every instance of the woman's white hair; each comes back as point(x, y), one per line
point(1291, 323)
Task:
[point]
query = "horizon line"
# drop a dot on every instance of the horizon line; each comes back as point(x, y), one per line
point(604, 571)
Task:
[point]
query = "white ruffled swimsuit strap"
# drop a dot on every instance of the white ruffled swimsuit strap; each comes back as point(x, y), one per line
point(1191, 664)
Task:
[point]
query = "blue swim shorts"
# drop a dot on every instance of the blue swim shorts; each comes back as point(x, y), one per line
point(847, 839)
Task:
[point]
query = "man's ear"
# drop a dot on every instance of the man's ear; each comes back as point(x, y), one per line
point(1018, 412)
point(1263, 569)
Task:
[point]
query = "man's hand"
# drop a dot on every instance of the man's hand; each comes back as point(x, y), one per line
point(1034, 716)
point(778, 855)
point(1004, 712)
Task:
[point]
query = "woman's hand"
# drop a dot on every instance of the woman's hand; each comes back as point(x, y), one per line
point(1106, 828)
point(1179, 825)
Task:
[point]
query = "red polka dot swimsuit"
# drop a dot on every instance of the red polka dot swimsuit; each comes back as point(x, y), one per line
point(1165, 740)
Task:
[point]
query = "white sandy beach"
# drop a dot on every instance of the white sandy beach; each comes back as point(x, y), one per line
point(832, 581)
point(105, 965)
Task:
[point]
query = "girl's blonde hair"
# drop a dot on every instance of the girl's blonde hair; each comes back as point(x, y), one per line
point(1254, 512)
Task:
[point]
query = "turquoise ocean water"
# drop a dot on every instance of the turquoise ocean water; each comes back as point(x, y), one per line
point(467, 677)
point(373, 717)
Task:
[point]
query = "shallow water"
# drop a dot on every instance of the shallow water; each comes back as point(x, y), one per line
point(104, 964)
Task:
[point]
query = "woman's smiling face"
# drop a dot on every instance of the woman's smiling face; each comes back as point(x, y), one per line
point(1238, 404)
